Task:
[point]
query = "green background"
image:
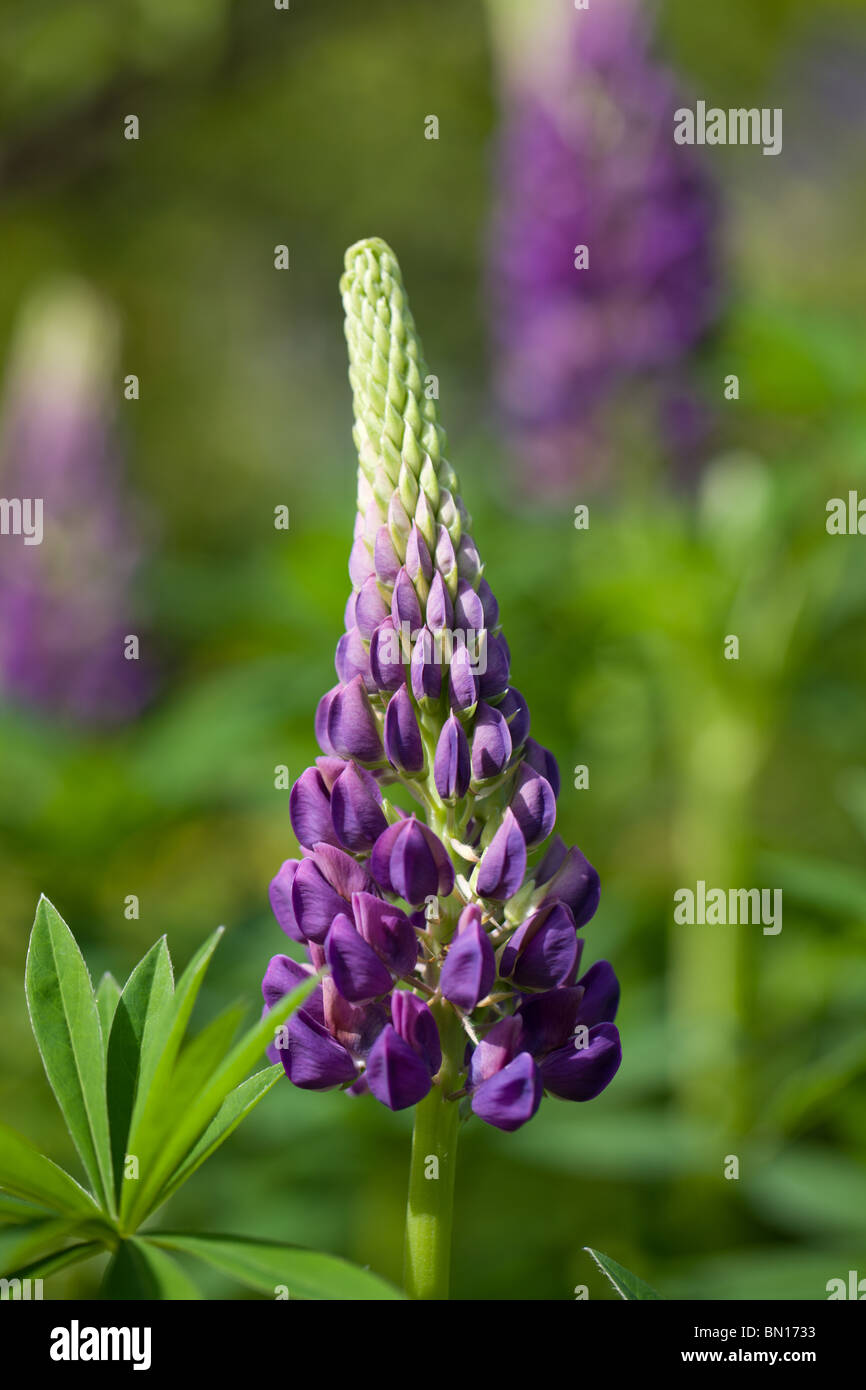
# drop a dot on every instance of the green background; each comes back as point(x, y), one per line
point(261, 127)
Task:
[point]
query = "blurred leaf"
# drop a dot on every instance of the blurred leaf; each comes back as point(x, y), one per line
point(627, 1285)
point(819, 883)
point(66, 1026)
point(808, 1189)
point(61, 1259)
point(20, 1244)
point(267, 1265)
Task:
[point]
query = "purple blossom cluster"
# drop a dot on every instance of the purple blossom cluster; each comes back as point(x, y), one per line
point(587, 159)
point(448, 937)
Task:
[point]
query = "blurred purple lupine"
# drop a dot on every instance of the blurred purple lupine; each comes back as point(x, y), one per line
point(586, 158)
point(449, 960)
point(64, 591)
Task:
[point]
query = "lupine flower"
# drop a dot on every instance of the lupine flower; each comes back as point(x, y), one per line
point(66, 601)
point(587, 158)
point(452, 921)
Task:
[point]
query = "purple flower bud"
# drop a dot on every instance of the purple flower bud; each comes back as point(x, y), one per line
point(581, 1073)
point(491, 744)
point(405, 607)
point(468, 560)
point(410, 861)
point(361, 565)
point(534, 805)
point(489, 605)
point(600, 994)
point(356, 809)
point(468, 609)
point(496, 1049)
point(396, 1074)
point(549, 1019)
point(469, 969)
point(350, 610)
point(510, 1097)
point(403, 747)
point(516, 711)
point(451, 765)
point(385, 557)
point(310, 810)
point(370, 608)
point(357, 971)
point(386, 657)
point(280, 894)
point(440, 610)
point(425, 671)
point(462, 680)
point(352, 726)
point(493, 679)
point(416, 1025)
point(323, 710)
point(352, 659)
point(570, 878)
point(388, 930)
point(543, 761)
point(503, 865)
point(544, 951)
point(418, 560)
point(312, 1059)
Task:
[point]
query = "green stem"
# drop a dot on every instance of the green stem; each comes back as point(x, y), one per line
point(431, 1172)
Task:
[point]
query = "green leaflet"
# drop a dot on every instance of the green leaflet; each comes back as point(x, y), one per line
point(138, 1270)
point(627, 1285)
point(107, 995)
point(21, 1244)
point(66, 1026)
point(146, 994)
point(234, 1108)
point(25, 1172)
point(270, 1268)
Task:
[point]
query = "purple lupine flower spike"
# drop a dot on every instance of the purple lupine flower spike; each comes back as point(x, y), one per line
point(69, 555)
point(604, 245)
point(449, 958)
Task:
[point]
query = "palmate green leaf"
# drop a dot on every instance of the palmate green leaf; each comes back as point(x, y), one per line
point(198, 1115)
point(234, 1108)
point(146, 994)
point(66, 1026)
point(25, 1172)
point(14, 1211)
point(627, 1285)
point(60, 1259)
point(268, 1266)
point(107, 995)
point(160, 1047)
point(139, 1270)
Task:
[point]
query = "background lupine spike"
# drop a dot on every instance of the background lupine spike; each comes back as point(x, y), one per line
point(424, 700)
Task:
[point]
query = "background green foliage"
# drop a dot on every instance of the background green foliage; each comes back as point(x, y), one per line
point(260, 127)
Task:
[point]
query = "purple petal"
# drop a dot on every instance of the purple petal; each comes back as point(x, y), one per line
point(468, 609)
point(440, 610)
point(357, 971)
point(405, 607)
point(451, 767)
point(315, 904)
point(425, 667)
point(418, 560)
point(544, 951)
point(496, 1049)
point(601, 994)
point(463, 683)
point(310, 809)
point(361, 565)
point(516, 711)
point(370, 608)
point(352, 726)
point(573, 881)
point(313, 1059)
point(512, 1096)
point(491, 744)
point(409, 860)
point(280, 894)
point(386, 657)
point(385, 558)
point(356, 810)
point(469, 969)
point(323, 710)
point(403, 746)
point(493, 679)
point(534, 805)
point(352, 659)
point(543, 761)
point(581, 1073)
point(503, 864)
point(388, 930)
point(549, 1019)
point(396, 1075)
point(415, 1023)
point(489, 605)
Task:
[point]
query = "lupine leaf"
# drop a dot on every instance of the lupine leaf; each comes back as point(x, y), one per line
point(627, 1285)
point(25, 1172)
point(107, 995)
point(268, 1266)
point(60, 1259)
point(147, 992)
point(234, 1108)
point(159, 1051)
point(13, 1211)
point(138, 1270)
point(222, 1081)
point(66, 1027)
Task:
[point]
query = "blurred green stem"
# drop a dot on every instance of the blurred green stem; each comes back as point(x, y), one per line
point(431, 1172)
